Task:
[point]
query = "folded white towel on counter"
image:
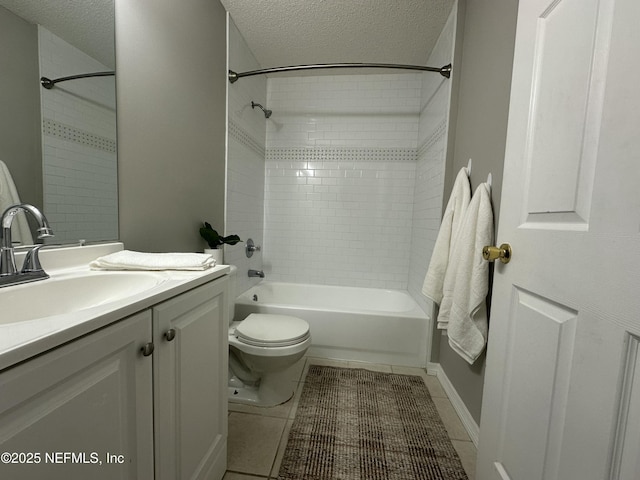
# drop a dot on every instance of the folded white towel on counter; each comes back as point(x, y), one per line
point(467, 281)
point(130, 260)
point(449, 229)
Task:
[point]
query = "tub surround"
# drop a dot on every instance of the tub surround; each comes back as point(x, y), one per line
point(245, 160)
point(340, 169)
point(25, 339)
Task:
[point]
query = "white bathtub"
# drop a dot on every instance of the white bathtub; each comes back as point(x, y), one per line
point(349, 323)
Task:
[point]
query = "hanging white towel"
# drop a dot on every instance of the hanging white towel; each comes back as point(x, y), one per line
point(467, 280)
point(130, 260)
point(449, 229)
point(20, 231)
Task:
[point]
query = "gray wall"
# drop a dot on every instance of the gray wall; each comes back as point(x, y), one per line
point(171, 96)
point(480, 118)
point(20, 139)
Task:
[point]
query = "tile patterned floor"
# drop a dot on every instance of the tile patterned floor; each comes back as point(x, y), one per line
point(258, 436)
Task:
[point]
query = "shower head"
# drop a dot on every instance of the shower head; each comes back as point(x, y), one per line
point(267, 113)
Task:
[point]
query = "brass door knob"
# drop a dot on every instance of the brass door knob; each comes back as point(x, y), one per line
point(503, 252)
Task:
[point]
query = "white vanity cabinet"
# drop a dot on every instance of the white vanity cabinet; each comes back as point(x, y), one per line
point(89, 398)
point(190, 384)
point(109, 406)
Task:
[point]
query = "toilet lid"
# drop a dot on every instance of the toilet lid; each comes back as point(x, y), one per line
point(262, 329)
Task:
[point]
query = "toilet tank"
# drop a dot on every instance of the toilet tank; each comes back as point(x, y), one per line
point(233, 291)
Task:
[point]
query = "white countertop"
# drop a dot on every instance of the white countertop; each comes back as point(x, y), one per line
point(22, 340)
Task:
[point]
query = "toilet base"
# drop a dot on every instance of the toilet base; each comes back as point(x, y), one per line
point(273, 389)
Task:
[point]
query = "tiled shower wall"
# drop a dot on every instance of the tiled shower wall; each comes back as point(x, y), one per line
point(245, 161)
point(354, 174)
point(354, 179)
point(339, 217)
point(78, 145)
point(341, 160)
point(431, 156)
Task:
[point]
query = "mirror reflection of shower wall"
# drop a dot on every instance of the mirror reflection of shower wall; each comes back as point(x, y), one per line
point(60, 144)
point(78, 144)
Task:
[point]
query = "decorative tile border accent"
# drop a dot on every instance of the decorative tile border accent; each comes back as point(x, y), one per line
point(75, 135)
point(345, 154)
point(242, 136)
point(437, 134)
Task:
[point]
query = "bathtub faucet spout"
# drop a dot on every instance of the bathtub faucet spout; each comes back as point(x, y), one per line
point(256, 273)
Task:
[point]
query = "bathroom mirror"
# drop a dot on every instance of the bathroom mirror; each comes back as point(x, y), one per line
point(59, 145)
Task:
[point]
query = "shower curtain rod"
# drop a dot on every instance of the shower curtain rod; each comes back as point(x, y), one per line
point(49, 84)
point(234, 76)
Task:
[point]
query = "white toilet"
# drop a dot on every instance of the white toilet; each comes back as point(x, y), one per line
point(262, 348)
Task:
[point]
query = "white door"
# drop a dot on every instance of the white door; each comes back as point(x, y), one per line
point(562, 389)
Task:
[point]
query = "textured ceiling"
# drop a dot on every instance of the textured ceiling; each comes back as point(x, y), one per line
point(292, 32)
point(279, 32)
point(86, 24)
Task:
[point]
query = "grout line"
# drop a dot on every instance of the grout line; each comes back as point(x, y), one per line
point(258, 414)
point(245, 474)
point(280, 447)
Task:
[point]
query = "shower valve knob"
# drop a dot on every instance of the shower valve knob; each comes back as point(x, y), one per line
point(251, 247)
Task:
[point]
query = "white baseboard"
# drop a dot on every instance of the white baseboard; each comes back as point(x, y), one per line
point(467, 420)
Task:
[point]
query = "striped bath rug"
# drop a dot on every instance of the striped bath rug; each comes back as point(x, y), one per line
point(355, 424)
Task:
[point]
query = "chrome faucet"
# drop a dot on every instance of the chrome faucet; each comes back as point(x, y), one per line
point(256, 273)
point(31, 269)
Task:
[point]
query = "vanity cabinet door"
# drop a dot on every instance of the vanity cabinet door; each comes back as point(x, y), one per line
point(190, 384)
point(81, 411)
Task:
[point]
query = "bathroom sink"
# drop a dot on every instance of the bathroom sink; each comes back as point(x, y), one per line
point(68, 293)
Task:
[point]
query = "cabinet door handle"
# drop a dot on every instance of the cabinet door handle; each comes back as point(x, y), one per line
point(147, 349)
point(170, 334)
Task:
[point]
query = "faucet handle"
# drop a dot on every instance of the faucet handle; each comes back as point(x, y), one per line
point(32, 260)
point(251, 247)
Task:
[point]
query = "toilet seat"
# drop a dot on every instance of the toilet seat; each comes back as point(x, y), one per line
point(269, 330)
